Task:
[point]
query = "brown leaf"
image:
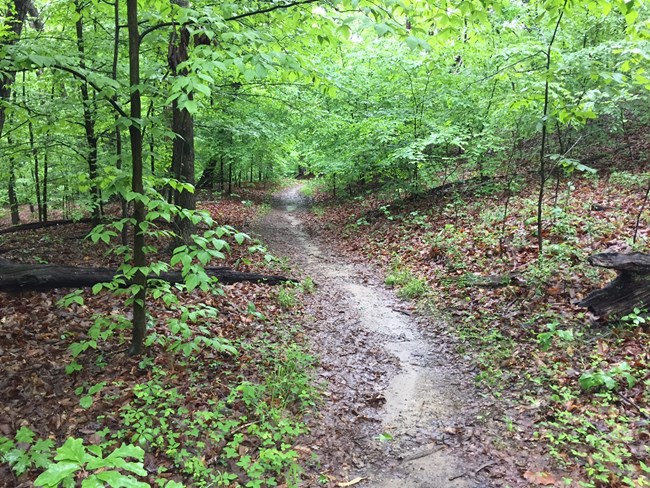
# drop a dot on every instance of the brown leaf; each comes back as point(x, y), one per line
point(539, 478)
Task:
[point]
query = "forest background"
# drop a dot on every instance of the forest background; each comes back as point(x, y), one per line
point(461, 136)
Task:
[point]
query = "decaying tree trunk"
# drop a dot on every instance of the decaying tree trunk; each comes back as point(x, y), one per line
point(42, 225)
point(16, 277)
point(630, 289)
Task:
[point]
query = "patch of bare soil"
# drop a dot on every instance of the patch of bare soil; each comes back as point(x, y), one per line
point(400, 408)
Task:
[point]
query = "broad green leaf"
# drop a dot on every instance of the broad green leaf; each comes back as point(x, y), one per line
point(56, 473)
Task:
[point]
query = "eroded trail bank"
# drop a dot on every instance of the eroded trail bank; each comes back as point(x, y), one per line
point(398, 411)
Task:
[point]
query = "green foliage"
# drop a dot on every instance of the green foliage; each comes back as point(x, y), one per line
point(189, 332)
point(408, 285)
point(251, 412)
point(545, 339)
point(287, 297)
point(87, 394)
point(307, 285)
point(115, 468)
point(594, 380)
point(25, 452)
point(637, 318)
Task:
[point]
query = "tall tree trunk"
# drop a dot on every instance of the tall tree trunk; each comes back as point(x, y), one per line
point(139, 257)
point(46, 161)
point(32, 145)
point(13, 24)
point(230, 178)
point(542, 150)
point(221, 174)
point(13, 21)
point(183, 127)
point(118, 133)
point(13, 199)
point(89, 122)
point(36, 172)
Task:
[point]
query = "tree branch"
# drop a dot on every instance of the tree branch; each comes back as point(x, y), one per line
point(162, 25)
point(81, 76)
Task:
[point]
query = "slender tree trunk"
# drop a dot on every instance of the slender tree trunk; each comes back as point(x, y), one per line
point(13, 198)
point(12, 25)
point(183, 127)
point(542, 150)
point(118, 133)
point(139, 258)
point(230, 178)
point(46, 161)
point(89, 122)
point(221, 175)
point(35, 170)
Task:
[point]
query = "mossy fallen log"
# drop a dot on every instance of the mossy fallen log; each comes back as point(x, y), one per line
point(18, 277)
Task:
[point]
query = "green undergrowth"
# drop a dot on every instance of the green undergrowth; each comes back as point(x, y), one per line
point(470, 255)
point(229, 419)
point(407, 284)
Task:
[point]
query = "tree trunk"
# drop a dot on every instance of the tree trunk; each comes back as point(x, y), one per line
point(139, 258)
point(41, 225)
point(118, 133)
point(17, 277)
point(542, 151)
point(32, 146)
point(13, 24)
point(89, 122)
point(230, 178)
point(221, 174)
point(629, 290)
point(46, 162)
point(183, 147)
point(13, 198)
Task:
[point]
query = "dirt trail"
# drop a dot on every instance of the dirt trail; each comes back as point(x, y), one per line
point(397, 412)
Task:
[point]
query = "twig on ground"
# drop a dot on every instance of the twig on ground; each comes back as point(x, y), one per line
point(633, 404)
point(476, 471)
point(421, 454)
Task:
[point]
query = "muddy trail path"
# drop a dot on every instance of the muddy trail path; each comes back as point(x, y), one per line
point(398, 410)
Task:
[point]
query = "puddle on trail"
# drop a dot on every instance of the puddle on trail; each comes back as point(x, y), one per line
point(422, 398)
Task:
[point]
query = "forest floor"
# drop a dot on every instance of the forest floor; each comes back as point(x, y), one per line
point(441, 382)
point(565, 383)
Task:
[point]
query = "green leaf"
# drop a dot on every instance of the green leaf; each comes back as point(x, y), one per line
point(96, 388)
point(86, 401)
point(56, 473)
point(117, 479)
point(129, 450)
point(381, 29)
point(24, 435)
point(73, 450)
point(192, 281)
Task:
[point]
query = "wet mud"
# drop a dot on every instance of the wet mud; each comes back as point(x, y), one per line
point(397, 410)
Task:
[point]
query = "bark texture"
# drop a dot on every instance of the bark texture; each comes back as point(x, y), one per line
point(629, 290)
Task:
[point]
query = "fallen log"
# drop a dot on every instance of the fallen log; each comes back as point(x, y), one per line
point(17, 277)
point(629, 290)
point(42, 225)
